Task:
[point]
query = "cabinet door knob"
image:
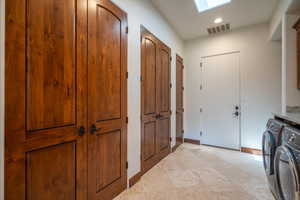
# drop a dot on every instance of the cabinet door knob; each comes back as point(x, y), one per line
point(81, 131)
point(94, 129)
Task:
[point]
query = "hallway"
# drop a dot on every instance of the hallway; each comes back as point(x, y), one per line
point(203, 173)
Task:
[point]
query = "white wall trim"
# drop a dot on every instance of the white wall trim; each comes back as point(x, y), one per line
point(221, 54)
point(2, 47)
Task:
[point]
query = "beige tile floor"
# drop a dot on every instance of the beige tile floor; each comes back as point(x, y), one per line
point(203, 173)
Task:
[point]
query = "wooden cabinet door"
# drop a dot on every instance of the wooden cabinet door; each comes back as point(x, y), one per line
point(46, 144)
point(155, 108)
point(179, 101)
point(163, 95)
point(107, 100)
point(149, 53)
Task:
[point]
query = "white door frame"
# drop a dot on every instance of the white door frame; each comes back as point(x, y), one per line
point(239, 88)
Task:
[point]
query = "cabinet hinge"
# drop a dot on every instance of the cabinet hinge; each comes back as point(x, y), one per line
point(126, 120)
point(171, 58)
point(182, 131)
point(127, 29)
point(141, 78)
point(171, 112)
point(170, 139)
point(182, 88)
point(170, 85)
point(126, 75)
point(127, 165)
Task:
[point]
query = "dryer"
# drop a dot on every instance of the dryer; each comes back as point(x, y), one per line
point(287, 165)
point(271, 140)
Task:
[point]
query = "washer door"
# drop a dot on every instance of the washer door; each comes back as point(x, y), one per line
point(287, 174)
point(269, 148)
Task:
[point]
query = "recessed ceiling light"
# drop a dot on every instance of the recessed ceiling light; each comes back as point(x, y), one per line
point(203, 5)
point(218, 20)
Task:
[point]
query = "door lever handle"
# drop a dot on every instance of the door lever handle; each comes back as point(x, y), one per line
point(94, 129)
point(236, 114)
point(159, 116)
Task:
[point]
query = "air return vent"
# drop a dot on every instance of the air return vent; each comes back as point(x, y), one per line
point(218, 29)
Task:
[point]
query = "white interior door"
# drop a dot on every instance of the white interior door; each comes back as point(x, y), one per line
point(221, 101)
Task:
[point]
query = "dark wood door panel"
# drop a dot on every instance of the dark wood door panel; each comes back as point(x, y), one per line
point(149, 140)
point(50, 63)
point(155, 100)
point(105, 66)
point(149, 73)
point(163, 134)
point(45, 99)
point(179, 84)
point(179, 100)
point(50, 137)
point(50, 76)
point(107, 102)
point(179, 127)
point(51, 173)
point(109, 158)
point(163, 78)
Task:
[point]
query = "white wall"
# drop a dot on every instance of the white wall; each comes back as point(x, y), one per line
point(2, 17)
point(275, 24)
point(284, 63)
point(260, 63)
point(292, 91)
point(142, 12)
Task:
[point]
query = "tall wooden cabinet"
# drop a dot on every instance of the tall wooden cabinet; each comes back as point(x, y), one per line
point(156, 100)
point(66, 100)
point(179, 101)
point(297, 27)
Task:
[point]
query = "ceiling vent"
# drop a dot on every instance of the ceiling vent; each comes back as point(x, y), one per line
point(219, 29)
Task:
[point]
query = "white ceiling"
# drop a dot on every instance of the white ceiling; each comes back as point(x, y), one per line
point(189, 23)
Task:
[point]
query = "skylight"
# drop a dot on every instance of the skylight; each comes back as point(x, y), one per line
point(203, 5)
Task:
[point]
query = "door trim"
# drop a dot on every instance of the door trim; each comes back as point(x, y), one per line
point(239, 88)
point(221, 54)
